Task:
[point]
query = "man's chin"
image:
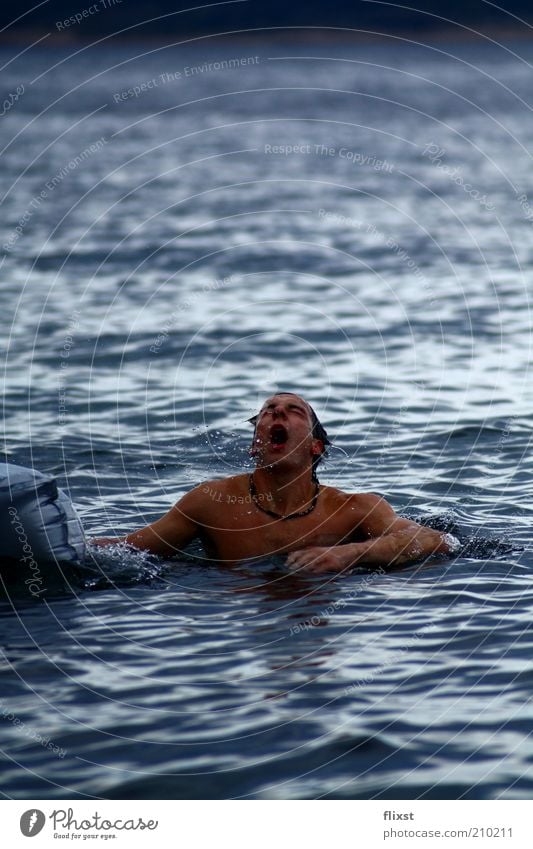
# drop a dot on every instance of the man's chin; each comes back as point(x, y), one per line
point(269, 459)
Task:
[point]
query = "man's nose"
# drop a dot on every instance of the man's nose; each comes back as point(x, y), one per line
point(278, 410)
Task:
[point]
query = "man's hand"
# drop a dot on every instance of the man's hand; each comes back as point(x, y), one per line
point(318, 559)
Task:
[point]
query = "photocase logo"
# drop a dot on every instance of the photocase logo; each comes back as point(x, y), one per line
point(32, 822)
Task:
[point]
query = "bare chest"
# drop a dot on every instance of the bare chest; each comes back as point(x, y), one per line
point(245, 531)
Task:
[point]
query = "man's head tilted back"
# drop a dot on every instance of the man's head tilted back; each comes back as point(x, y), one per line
point(282, 416)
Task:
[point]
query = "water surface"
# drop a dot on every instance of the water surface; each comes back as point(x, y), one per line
point(177, 272)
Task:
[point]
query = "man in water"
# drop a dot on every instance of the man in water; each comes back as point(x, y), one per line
point(281, 508)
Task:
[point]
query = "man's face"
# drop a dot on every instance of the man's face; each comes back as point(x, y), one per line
point(284, 431)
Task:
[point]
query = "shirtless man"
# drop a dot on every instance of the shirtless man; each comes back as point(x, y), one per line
point(282, 509)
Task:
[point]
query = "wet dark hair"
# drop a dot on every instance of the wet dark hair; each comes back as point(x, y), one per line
point(318, 431)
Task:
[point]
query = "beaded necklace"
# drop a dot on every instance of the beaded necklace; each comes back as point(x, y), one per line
point(255, 499)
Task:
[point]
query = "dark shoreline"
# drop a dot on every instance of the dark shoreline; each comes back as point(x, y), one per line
point(282, 35)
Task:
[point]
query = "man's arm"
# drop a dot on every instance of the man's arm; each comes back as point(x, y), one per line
point(168, 535)
point(392, 541)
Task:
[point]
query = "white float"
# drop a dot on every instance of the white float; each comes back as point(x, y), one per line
point(38, 523)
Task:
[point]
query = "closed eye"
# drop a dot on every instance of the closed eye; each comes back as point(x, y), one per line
point(294, 408)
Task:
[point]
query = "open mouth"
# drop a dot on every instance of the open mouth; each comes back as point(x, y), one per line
point(278, 434)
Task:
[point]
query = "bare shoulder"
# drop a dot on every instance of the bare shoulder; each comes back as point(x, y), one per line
point(223, 486)
point(200, 501)
point(362, 502)
point(369, 512)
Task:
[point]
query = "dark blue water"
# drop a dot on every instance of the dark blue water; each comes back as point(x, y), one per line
point(349, 221)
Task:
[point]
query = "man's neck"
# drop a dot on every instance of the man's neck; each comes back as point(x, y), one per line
point(287, 490)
